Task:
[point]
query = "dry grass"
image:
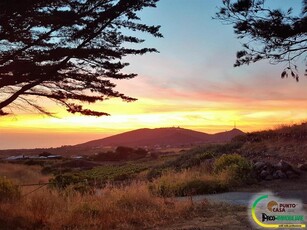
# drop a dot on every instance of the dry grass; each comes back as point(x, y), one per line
point(22, 174)
point(227, 172)
point(174, 178)
point(189, 182)
point(127, 207)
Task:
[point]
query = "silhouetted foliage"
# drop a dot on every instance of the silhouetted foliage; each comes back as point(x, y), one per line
point(122, 153)
point(67, 51)
point(122, 150)
point(273, 34)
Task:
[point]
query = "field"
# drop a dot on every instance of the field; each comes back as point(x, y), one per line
point(140, 191)
point(118, 206)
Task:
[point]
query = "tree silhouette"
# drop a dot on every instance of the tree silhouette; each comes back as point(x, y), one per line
point(272, 34)
point(67, 51)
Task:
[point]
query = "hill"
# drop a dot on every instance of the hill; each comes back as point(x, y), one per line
point(286, 142)
point(162, 137)
point(226, 136)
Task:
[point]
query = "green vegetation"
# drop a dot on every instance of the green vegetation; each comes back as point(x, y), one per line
point(165, 187)
point(134, 193)
point(98, 176)
point(236, 169)
point(227, 172)
point(121, 153)
point(205, 169)
point(194, 157)
point(189, 159)
point(226, 161)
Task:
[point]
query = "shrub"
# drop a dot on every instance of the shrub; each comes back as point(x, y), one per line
point(233, 168)
point(254, 148)
point(194, 186)
point(186, 183)
point(65, 180)
point(225, 161)
point(154, 173)
point(198, 186)
point(230, 147)
point(8, 190)
point(189, 160)
point(121, 154)
point(166, 186)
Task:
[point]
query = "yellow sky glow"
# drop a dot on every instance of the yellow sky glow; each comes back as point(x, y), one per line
point(207, 116)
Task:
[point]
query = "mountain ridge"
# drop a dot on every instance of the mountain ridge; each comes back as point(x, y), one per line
point(174, 136)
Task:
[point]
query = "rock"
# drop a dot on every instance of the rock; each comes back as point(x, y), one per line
point(275, 175)
point(259, 165)
point(269, 177)
point(302, 167)
point(263, 174)
point(291, 175)
point(269, 168)
point(267, 171)
point(283, 166)
point(280, 174)
point(296, 171)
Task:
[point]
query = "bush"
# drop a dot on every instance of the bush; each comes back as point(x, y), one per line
point(189, 160)
point(65, 180)
point(254, 148)
point(235, 169)
point(166, 190)
point(186, 183)
point(188, 188)
point(8, 190)
point(121, 154)
point(154, 173)
point(198, 186)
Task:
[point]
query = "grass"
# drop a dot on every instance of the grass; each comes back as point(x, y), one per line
point(134, 202)
point(189, 159)
point(99, 176)
point(23, 174)
point(8, 190)
point(227, 171)
point(123, 207)
point(133, 205)
point(195, 157)
point(186, 183)
point(287, 142)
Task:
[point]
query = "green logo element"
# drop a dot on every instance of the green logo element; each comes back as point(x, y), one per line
point(287, 211)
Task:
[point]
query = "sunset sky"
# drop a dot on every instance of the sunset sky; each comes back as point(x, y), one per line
point(191, 83)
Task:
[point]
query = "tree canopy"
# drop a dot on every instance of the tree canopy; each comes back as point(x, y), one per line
point(273, 34)
point(67, 51)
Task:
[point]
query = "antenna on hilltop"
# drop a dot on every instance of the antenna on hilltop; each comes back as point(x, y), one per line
point(235, 125)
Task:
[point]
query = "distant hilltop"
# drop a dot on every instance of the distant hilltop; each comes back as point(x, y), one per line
point(174, 136)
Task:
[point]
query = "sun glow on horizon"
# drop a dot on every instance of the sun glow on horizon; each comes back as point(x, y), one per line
point(191, 83)
point(33, 131)
point(147, 113)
